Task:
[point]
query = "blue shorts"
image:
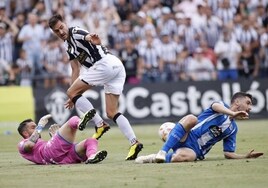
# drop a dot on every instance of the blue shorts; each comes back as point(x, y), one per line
point(190, 142)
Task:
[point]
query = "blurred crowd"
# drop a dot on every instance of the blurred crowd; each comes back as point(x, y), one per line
point(157, 40)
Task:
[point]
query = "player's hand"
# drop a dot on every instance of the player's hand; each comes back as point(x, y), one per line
point(241, 115)
point(44, 120)
point(53, 129)
point(42, 123)
point(94, 39)
point(253, 154)
point(69, 104)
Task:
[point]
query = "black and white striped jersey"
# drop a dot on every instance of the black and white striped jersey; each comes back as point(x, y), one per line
point(85, 52)
point(6, 48)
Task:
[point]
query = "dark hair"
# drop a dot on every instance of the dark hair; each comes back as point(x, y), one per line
point(22, 125)
point(54, 19)
point(240, 95)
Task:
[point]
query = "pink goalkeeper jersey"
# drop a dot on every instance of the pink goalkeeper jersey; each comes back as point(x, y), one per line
point(55, 151)
point(35, 155)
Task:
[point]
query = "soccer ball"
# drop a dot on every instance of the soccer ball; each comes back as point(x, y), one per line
point(165, 129)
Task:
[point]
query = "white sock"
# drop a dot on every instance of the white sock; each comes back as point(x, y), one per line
point(126, 128)
point(85, 105)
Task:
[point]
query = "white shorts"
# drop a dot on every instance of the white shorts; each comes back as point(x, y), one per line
point(108, 72)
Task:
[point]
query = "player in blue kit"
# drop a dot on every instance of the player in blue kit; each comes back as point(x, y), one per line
point(193, 137)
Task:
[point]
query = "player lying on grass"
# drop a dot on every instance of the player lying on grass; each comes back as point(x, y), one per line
point(60, 149)
point(193, 137)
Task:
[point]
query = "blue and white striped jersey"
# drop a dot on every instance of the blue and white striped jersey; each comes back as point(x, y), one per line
point(213, 127)
point(85, 52)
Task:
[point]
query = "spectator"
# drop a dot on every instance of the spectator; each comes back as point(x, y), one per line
point(247, 35)
point(63, 7)
point(199, 18)
point(32, 45)
point(136, 5)
point(123, 9)
point(77, 19)
point(22, 6)
point(226, 12)
point(253, 4)
point(190, 35)
point(249, 63)
point(237, 23)
point(180, 22)
point(40, 9)
point(130, 57)
point(82, 5)
point(143, 26)
point(124, 32)
point(212, 28)
point(242, 9)
point(264, 53)
point(213, 5)
point(153, 10)
point(166, 23)
point(8, 31)
point(47, 31)
point(51, 56)
point(261, 15)
point(208, 52)
point(19, 21)
point(151, 61)
point(24, 69)
point(169, 51)
point(186, 6)
point(64, 71)
point(197, 21)
point(181, 67)
point(201, 68)
point(228, 53)
point(7, 75)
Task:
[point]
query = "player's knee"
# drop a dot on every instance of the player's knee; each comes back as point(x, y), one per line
point(179, 158)
point(73, 122)
point(91, 141)
point(183, 157)
point(191, 120)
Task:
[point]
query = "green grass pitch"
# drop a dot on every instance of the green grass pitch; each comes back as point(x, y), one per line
point(214, 171)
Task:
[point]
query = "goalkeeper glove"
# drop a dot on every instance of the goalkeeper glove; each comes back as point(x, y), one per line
point(42, 123)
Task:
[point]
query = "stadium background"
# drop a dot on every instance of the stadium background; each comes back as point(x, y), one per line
point(142, 101)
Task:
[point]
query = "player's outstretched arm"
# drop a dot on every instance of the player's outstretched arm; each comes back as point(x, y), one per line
point(220, 108)
point(29, 144)
point(93, 38)
point(251, 154)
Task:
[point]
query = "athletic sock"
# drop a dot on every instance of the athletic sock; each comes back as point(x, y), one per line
point(83, 104)
point(73, 122)
point(91, 145)
point(174, 137)
point(169, 157)
point(125, 127)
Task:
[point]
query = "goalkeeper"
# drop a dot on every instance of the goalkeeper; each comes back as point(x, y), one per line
point(60, 149)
